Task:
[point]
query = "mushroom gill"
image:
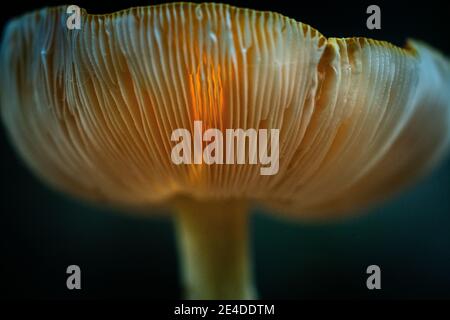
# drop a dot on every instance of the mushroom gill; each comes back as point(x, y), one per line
point(92, 112)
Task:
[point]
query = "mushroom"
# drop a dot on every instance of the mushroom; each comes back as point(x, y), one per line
point(91, 112)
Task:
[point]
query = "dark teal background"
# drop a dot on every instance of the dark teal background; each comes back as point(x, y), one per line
point(42, 232)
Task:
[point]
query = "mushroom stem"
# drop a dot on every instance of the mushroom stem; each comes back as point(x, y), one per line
point(213, 243)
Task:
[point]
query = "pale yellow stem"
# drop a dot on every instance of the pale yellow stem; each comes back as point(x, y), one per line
point(213, 242)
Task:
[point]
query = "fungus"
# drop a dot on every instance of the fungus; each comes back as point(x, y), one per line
point(91, 112)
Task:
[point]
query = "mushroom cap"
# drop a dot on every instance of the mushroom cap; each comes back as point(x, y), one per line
point(92, 110)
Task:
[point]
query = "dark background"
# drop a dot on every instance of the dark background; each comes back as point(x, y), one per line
point(123, 256)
